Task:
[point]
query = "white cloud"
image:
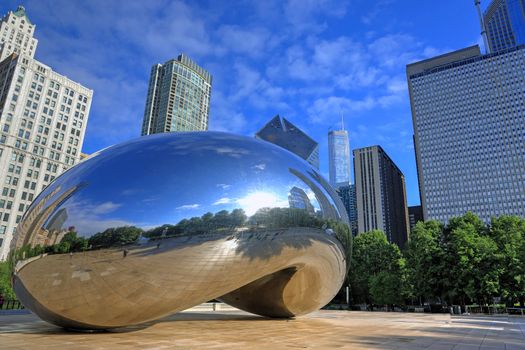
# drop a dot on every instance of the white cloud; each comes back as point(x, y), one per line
point(224, 200)
point(188, 206)
point(260, 166)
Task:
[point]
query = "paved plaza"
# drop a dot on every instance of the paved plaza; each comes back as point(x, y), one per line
point(238, 330)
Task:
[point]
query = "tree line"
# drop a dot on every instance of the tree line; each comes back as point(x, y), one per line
point(464, 262)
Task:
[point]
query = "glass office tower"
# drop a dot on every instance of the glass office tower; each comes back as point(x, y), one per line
point(339, 158)
point(281, 132)
point(505, 24)
point(468, 113)
point(178, 97)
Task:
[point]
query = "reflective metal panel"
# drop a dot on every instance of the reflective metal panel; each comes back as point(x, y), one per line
point(165, 222)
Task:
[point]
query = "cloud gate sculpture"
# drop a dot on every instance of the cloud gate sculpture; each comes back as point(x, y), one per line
point(162, 223)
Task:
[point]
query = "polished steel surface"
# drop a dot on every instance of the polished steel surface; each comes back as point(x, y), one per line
point(162, 223)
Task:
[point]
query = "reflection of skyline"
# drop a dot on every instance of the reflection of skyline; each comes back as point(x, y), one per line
point(247, 174)
point(31, 230)
point(298, 199)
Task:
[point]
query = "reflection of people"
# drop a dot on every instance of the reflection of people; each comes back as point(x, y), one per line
point(124, 253)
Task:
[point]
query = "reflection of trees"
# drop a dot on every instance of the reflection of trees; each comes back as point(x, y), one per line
point(114, 237)
point(209, 222)
point(222, 221)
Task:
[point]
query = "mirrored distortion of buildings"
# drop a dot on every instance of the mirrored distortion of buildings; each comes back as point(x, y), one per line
point(43, 118)
point(266, 233)
point(178, 97)
point(281, 132)
point(468, 113)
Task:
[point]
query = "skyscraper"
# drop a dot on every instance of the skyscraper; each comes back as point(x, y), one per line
point(349, 199)
point(281, 132)
point(468, 114)
point(415, 214)
point(16, 34)
point(381, 194)
point(43, 118)
point(339, 157)
point(178, 97)
point(505, 24)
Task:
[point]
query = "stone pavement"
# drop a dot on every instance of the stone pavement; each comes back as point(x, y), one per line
point(239, 330)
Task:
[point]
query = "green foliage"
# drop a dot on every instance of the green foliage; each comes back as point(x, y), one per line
point(462, 263)
point(114, 237)
point(373, 257)
point(384, 289)
point(424, 258)
point(5, 281)
point(209, 222)
point(472, 266)
point(508, 232)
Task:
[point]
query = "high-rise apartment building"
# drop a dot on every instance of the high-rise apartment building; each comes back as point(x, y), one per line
point(339, 158)
point(281, 132)
point(43, 117)
point(349, 199)
point(381, 194)
point(178, 97)
point(415, 214)
point(505, 24)
point(468, 113)
point(16, 34)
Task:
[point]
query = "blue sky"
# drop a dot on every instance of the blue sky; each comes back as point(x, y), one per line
point(307, 60)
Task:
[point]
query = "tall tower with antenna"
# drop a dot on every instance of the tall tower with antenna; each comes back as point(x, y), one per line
point(339, 156)
point(477, 3)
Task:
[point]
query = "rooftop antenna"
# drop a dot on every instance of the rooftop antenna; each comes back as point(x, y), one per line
point(342, 121)
point(482, 24)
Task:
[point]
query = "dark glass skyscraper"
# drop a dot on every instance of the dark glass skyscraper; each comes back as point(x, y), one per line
point(348, 197)
point(281, 132)
point(505, 24)
point(178, 97)
point(381, 194)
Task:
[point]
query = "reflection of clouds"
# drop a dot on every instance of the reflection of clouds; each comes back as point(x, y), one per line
point(188, 206)
point(224, 200)
point(105, 208)
point(205, 145)
point(130, 192)
point(232, 152)
point(311, 196)
point(257, 200)
point(260, 166)
point(224, 186)
point(88, 218)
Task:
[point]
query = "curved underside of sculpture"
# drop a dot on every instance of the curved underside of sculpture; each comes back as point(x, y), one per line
point(281, 273)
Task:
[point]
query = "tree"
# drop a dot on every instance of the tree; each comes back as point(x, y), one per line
point(115, 236)
point(384, 288)
point(471, 256)
point(237, 218)
point(371, 255)
point(5, 281)
point(508, 232)
point(424, 258)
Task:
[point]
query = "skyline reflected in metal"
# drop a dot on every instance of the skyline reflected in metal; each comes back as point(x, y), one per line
point(162, 223)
